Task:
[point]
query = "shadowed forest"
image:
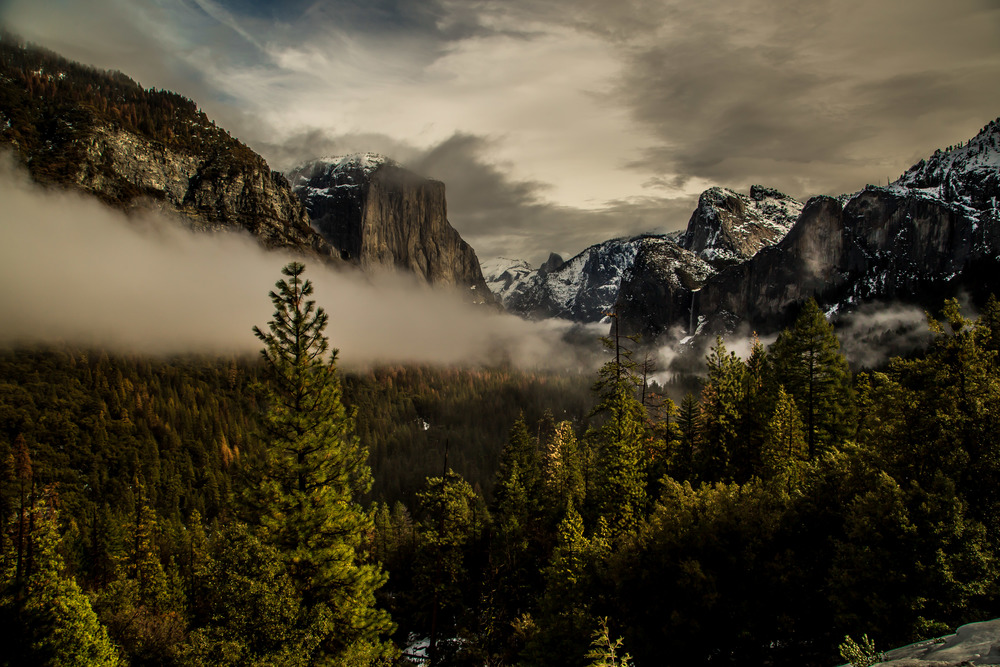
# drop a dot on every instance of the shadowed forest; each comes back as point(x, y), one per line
point(272, 511)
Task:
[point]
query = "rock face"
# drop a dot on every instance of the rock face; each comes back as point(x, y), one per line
point(665, 275)
point(932, 232)
point(972, 644)
point(213, 191)
point(377, 214)
point(582, 289)
point(725, 229)
point(74, 126)
point(729, 227)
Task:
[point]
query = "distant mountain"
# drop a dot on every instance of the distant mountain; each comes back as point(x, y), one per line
point(929, 235)
point(378, 214)
point(726, 228)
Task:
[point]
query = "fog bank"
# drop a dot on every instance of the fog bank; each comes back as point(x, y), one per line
point(75, 271)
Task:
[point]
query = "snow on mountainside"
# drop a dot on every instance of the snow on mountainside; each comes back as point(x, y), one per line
point(582, 289)
point(932, 234)
point(967, 175)
point(505, 276)
point(320, 179)
point(727, 228)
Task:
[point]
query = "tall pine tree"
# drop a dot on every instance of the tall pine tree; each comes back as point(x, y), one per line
point(808, 362)
point(619, 440)
point(314, 470)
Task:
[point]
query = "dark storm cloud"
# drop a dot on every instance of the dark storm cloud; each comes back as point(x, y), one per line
point(810, 97)
point(503, 216)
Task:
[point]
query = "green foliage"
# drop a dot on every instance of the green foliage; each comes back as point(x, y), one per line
point(605, 652)
point(619, 442)
point(748, 551)
point(807, 361)
point(860, 654)
point(407, 415)
point(784, 450)
point(721, 401)
point(253, 613)
point(312, 472)
point(47, 618)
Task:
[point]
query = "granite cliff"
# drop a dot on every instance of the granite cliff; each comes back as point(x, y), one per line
point(725, 229)
point(380, 215)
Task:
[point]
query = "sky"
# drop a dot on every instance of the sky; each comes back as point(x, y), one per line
point(563, 123)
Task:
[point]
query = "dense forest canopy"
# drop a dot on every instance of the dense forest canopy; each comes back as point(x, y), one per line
point(495, 516)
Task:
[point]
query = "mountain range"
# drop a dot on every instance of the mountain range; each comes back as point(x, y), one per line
point(750, 261)
point(743, 261)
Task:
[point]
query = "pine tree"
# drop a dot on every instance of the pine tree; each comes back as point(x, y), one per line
point(808, 362)
point(313, 472)
point(565, 606)
point(689, 442)
point(452, 520)
point(50, 619)
point(721, 404)
point(620, 439)
point(784, 449)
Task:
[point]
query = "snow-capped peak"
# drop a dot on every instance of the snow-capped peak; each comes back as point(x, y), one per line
point(366, 162)
point(332, 168)
point(958, 172)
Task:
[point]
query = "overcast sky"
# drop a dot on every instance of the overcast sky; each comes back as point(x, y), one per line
point(562, 123)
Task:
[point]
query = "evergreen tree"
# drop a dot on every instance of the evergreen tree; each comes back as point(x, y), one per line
point(565, 606)
point(49, 620)
point(754, 410)
point(689, 424)
point(252, 606)
point(808, 362)
point(562, 471)
point(518, 520)
point(784, 449)
point(619, 441)
point(452, 523)
point(721, 407)
point(312, 474)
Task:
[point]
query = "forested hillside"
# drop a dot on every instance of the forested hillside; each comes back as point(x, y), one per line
point(153, 508)
point(49, 104)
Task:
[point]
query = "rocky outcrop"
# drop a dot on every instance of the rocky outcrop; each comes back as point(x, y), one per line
point(581, 289)
point(729, 227)
point(662, 277)
point(379, 215)
point(972, 644)
point(101, 132)
point(217, 190)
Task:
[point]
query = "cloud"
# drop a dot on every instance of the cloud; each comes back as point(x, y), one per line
point(815, 98)
point(552, 121)
point(874, 333)
point(72, 270)
point(497, 214)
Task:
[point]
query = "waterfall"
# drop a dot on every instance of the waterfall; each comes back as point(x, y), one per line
point(691, 316)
